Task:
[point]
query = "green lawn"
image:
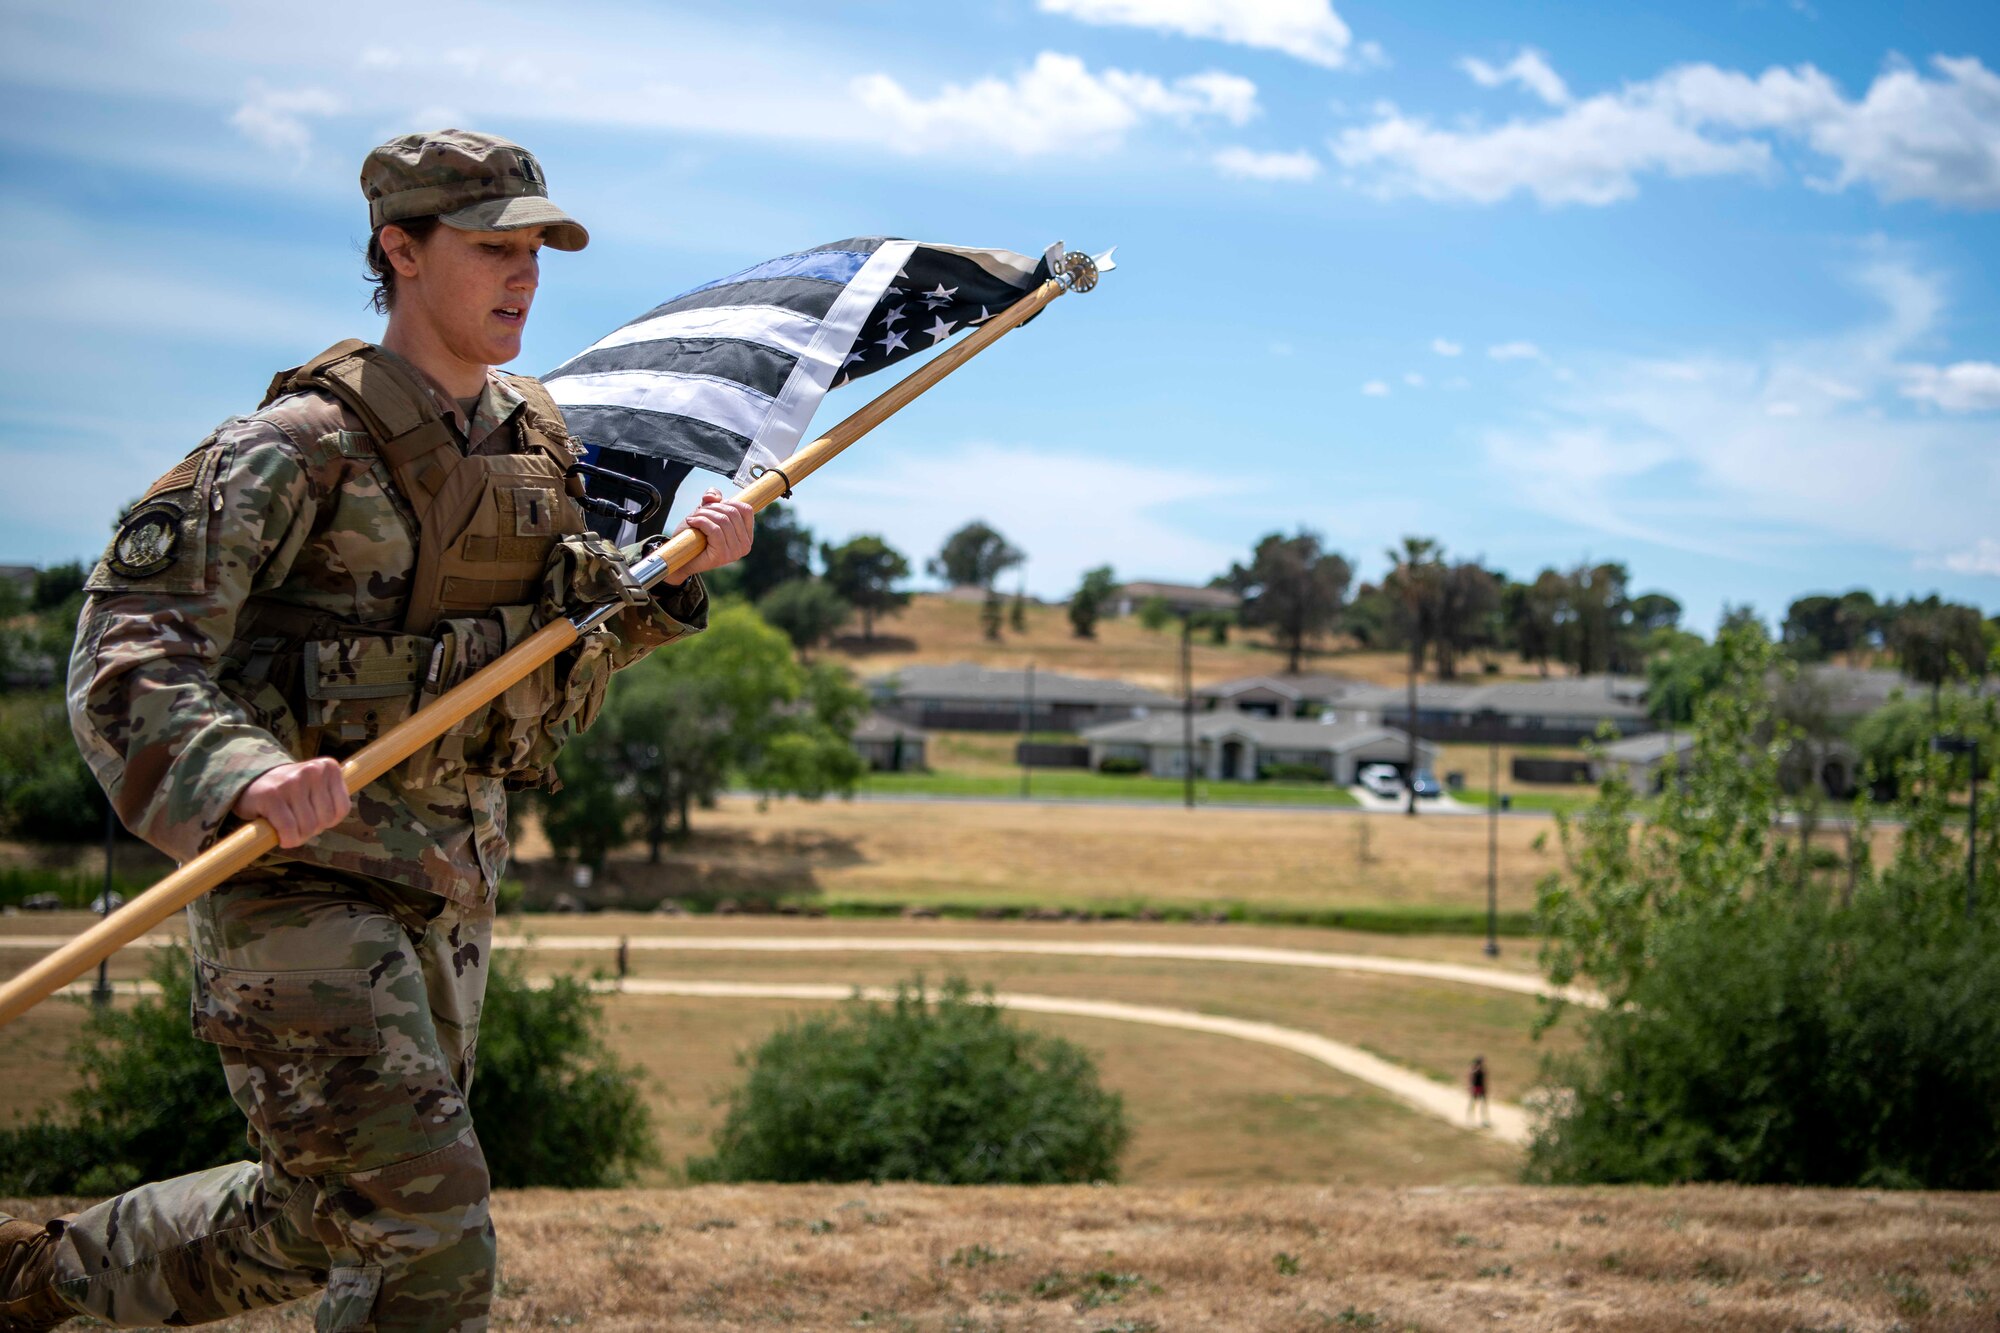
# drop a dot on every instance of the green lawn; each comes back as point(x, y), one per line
point(1077, 784)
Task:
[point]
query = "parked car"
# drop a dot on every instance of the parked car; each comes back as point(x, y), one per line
point(1425, 785)
point(1381, 779)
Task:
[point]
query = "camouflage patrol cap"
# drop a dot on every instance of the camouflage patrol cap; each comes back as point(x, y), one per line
point(468, 180)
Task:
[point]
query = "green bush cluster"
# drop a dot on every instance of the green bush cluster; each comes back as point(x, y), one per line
point(557, 1109)
point(1777, 1011)
point(46, 792)
point(1292, 773)
point(936, 1087)
point(1120, 765)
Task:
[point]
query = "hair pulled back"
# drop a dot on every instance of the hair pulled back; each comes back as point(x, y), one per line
point(381, 273)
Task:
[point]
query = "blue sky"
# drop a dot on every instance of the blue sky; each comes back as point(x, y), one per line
point(1706, 288)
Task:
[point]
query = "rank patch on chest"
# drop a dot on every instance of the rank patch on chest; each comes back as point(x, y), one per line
point(148, 540)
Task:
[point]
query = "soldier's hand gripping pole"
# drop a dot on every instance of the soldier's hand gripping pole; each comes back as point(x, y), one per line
point(236, 851)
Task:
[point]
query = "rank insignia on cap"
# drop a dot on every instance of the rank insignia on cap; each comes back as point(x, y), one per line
point(147, 540)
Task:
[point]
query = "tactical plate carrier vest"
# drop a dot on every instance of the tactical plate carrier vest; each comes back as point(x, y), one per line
point(488, 526)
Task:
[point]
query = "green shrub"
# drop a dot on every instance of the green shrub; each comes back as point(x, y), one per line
point(1291, 773)
point(1773, 1015)
point(939, 1088)
point(555, 1107)
point(1120, 764)
point(46, 792)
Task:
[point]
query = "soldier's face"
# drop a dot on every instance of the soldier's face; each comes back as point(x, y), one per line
point(474, 289)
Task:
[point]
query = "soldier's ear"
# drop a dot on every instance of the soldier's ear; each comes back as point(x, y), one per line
point(400, 249)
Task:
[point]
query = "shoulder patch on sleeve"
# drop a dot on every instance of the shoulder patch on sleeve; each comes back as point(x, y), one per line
point(161, 544)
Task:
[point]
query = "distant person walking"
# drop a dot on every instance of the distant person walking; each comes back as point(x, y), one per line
point(1475, 1082)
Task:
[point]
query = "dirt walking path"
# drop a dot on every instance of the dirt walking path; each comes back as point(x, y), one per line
point(1520, 983)
point(1510, 1122)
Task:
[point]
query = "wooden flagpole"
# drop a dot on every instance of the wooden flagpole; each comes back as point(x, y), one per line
point(235, 852)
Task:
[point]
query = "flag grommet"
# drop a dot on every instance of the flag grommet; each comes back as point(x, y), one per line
point(758, 472)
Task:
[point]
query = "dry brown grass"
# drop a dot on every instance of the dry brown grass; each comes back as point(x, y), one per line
point(1282, 1259)
point(936, 631)
point(1031, 854)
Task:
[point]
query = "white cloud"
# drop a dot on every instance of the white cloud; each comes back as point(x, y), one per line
point(1516, 351)
point(1805, 441)
point(1909, 137)
point(1056, 104)
point(1982, 557)
point(1444, 347)
point(275, 118)
point(1375, 389)
point(1307, 29)
point(1968, 386)
point(1252, 165)
point(1529, 69)
point(1413, 379)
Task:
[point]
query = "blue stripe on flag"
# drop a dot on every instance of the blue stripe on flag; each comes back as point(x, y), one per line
point(832, 265)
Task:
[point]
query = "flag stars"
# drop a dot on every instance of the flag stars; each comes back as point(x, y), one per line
point(891, 343)
point(940, 296)
point(940, 329)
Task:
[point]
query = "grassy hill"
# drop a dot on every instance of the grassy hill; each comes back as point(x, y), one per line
point(937, 630)
point(1130, 1260)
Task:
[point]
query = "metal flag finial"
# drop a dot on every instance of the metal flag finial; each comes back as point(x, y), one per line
point(1076, 271)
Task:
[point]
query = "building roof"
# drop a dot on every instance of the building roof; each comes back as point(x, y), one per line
point(876, 727)
point(1558, 696)
point(1272, 733)
point(1183, 594)
point(1648, 747)
point(965, 681)
point(1305, 685)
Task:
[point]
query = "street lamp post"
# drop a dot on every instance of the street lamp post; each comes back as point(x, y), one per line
point(100, 994)
point(1027, 726)
point(1187, 706)
point(1492, 835)
point(1967, 745)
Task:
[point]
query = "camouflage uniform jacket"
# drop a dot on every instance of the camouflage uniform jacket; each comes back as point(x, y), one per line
point(291, 505)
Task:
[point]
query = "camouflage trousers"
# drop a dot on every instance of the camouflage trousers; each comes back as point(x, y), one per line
point(345, 1010)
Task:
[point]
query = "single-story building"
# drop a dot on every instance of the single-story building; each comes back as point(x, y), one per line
point(1234, 747)
point(889, 746)
point(964, 697)
point(1642, 759)
point(1180, 597)
point(1561, 710)
point(1305, 695)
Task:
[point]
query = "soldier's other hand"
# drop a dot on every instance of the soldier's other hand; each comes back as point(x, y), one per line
point(729, 526)
point(301, 801)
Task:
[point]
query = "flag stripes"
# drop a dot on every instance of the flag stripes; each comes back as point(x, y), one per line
point(726, 376)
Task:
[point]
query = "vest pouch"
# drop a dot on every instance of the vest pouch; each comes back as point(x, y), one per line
point(498, 741)
point(357, 688)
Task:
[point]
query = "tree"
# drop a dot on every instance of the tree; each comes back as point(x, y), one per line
point(974, 556)
point(56, 586)
point(1655, 611)
point(1017, 611)
point(1536, 614)
point(1466, 615)
point(992, 615)
point(938, 1087)
point(781, 554)
point(47, 794)
point(806, 611)
point(1936, 641)
point(1814, 629)
point(1087, 602)
point(1774, 1013)
point(1294, 588)
point(732, 700)
point(865, 571)
point(1599, 622)
point(1677, 682)
point(1416, 570)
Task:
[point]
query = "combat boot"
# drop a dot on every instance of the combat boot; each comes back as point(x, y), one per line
point(28, 1300)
